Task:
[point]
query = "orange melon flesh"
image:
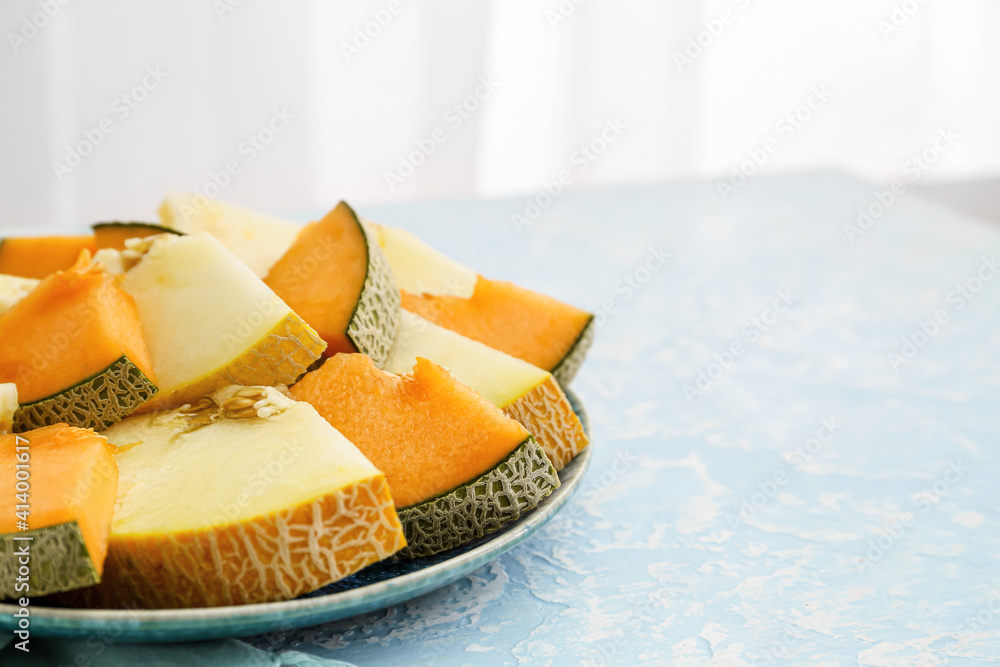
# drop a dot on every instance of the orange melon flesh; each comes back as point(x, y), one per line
point(37, 257)
point(517, 321)
point(73, 480)
point(73, 325)
point(427, 432)
point(322, 275)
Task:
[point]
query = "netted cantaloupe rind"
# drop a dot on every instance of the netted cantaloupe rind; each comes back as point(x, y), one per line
point(275, 557)
point(547, 414)
point(59, 561)
point(372, 327)
point(97, 402)
point(500, 495)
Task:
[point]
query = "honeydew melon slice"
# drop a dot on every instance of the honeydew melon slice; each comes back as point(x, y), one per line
point(258, 239)
point(114, 234)
point(210, 322)
point(336, 277)
point(458, 468)
point(38, 256)
point(421, 269)
point(75, 348)
point(70, 498)
point(524, 392)
point(13, 289)
point(247, 496)
point(8, 407)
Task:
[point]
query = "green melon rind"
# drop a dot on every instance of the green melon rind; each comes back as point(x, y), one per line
point(566, 370)
point(500, 495)
point(160, 229)
point(372, 327)
point(97, 402)
point(58, 560)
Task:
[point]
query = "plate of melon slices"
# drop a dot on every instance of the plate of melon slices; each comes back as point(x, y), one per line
point(223, 423)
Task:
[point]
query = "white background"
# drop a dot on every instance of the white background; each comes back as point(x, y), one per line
point(558, 84)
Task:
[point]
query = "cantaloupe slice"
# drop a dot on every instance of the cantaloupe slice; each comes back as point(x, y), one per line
point(259, 240)
point(114, 234)
point(13, 289)
point(538, 329)
point(38, 256)
point(458, 468)
point(336, 277)
point(76, 351)
point(67, 507)
point(210, 322)
point(244, 497)
point(524, 392)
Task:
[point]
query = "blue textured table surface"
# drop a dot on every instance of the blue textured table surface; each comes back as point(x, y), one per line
point(771, 486)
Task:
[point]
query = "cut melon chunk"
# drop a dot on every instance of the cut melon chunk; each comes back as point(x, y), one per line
point(114, 234)
point(75, 349)
point(336, 277)
point(458, 468)
point(37, 257)
point(245, 497)
point(538, 329)
point(259, 240)
point(524, 392)
point(210, 322)
point(8, 407)
point(13, 289)
point(421, 269)
point(70, 498)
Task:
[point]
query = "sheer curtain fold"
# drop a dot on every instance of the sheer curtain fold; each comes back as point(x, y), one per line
point(394, 100)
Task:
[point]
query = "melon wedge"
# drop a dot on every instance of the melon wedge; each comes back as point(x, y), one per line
point(8, 407)
point(70, 499)
point(37, 257)
point(420, 269)
point(336, 277)
point(524, 392)
point(76, 351)
point(13, 289)
point(210, 322)
point(114, 234)
point(259, 240)
point(535, 328)
point(245, 497)
point(458, 468)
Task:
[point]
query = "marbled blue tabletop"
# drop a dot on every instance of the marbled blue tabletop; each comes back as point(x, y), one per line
point(808, 500)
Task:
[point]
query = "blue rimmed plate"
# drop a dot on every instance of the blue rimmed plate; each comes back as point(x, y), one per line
point(376, 587)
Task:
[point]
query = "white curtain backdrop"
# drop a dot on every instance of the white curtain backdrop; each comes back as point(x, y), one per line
point(538, 80)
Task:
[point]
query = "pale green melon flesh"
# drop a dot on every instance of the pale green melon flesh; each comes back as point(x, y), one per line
point(97, 402)
point(257, 239)
point(13, 289)
point(58, 561)
point(420, 269)
point(184, 478)
point(500, 495)
point(499, 377)
point(201, 309)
